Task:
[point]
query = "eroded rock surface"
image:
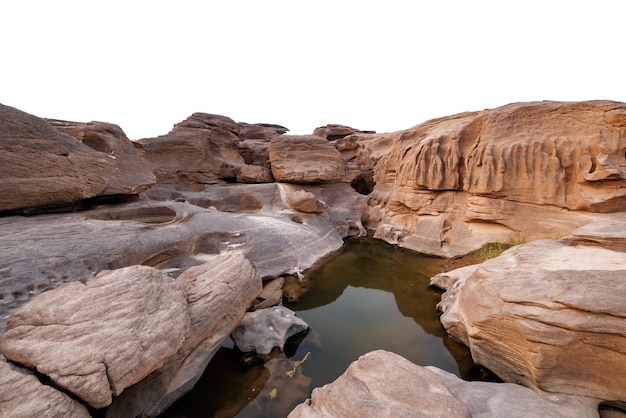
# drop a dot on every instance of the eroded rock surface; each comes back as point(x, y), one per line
point(383, 384)
point(23, 395)
point(218, 293)
point(305, 159)
point(527, 314)
point(536, 170)
point(265, 329)
point(98, 338)
point(41, 166)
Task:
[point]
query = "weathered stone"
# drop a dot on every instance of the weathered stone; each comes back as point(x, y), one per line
point(333, 132)
point(198, 151)
point(304, 201)
point(271, 295)
point(305, 159)
point(23, 395)
point(128, 170)
point(382, 384)
point(527, 313)
point(98, 338)
point(486, 399)
point(254, 174)
point(262, 330)
point(218, 293)
point(536, 170)
point(41, 166)
point(168, 235)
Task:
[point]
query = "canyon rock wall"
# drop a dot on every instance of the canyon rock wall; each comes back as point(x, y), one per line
point(531, 170)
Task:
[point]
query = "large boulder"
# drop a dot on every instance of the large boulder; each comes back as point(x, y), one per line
point(23, 395)
point(547, 314)
point(384, 384)
point(40, 165)
point(198, 151)
point(218, 294)
point(98, 338)
point(305, 159)
point(534, 169)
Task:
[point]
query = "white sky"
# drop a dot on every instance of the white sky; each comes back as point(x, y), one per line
point(378, 65)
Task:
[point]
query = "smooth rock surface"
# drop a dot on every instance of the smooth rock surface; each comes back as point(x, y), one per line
point(41, 166)
point(384, 384)
point(527, 314)
point(98, 338)
point(305, 159)
point(218, 293)
point(265, 329)
point(22, 395)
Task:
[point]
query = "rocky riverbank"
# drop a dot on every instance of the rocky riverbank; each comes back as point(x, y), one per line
point(125, 264)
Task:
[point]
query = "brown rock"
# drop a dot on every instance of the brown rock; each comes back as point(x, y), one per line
point(98, 338)
point(23, 395)
point(382, 384)
point(218, 293)
point(42, 166)
point(254, 174)
point(451, 184)
point(333, 132)
point(528, 313)
point(305, 159)
point(198, 151)
point(304, 201)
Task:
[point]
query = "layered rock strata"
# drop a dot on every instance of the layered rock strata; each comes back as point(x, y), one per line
point(535, 170)
point(527, 313)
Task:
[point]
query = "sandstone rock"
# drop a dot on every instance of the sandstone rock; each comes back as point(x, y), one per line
point(98, 338)
point(451, 184)
point(333, 132)
point(486, 399)
point(168, 235)
point(23, 395)
point(42, 166)
point(271, 295)
point(128, 170)
point(527, 313)
point(304, 201)
point(382, 384)
point(608, 232)
point(305, 159)
point(265, 329)
point(218, 293)
point(254, 174)
point(198, 151)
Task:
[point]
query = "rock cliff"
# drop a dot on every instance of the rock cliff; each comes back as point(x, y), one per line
point(181, 229)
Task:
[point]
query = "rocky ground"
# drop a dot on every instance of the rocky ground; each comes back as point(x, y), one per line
point(124, 265)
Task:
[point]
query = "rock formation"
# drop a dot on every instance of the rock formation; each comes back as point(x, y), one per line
point(383, 384)
point(237, 203)
point(98, 338)
point(535, 170)
point(41, 166)
point(265, 329)
point(528, 313)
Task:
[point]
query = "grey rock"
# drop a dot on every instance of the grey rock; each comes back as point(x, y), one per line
point(98, 338)
point(218, 293)
point(265, 329)
point(22, 395)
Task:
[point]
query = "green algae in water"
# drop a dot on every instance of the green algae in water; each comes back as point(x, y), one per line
point(367, 296)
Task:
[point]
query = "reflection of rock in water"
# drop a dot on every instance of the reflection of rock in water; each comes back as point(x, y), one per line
point(285, 388)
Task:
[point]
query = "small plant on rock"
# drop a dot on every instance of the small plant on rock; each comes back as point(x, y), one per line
point(491, 250)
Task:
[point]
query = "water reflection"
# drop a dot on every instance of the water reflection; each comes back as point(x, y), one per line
point(367, 296)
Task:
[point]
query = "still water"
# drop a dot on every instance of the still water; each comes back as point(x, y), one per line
point(367, 296)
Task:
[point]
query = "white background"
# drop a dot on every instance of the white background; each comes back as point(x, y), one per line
point(377, 65)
